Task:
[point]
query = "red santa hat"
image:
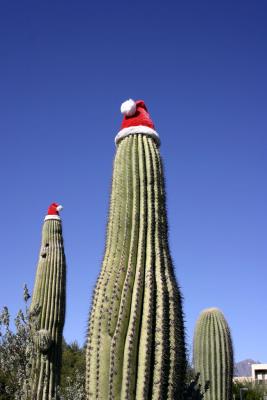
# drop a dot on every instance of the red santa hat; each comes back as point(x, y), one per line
point(136, 120)
point(53, 211)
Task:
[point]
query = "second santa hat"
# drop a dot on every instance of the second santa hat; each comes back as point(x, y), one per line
point(136, 120)
point(53, 211)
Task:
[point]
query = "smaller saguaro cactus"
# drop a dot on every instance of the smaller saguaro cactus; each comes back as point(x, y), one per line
point(48, 303)
point(213, 354)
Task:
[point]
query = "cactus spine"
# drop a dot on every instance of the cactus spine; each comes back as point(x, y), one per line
point(49, 300)
point(213, 354)
point(135, 345)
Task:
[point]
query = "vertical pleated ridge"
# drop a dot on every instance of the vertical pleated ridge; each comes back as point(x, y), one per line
point(49, 297)
point(135, 345)
point(213, 354)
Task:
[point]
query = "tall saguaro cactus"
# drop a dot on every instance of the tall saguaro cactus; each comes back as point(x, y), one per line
point(213, 354)
point(49, 299)
point(135, 345)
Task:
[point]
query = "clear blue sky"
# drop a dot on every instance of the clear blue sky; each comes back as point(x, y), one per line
point(65, 68)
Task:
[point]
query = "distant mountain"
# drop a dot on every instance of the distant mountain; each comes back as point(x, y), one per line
point(243, 368)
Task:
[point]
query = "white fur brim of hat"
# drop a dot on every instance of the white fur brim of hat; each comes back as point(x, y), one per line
point(52, 217)
point(141, 129)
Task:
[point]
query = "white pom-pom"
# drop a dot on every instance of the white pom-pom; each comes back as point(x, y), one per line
point(59, 208)
point(128, 108)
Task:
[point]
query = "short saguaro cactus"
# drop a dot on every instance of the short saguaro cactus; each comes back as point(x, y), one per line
point(49, 299)
point(213, 354)
point(135, 345)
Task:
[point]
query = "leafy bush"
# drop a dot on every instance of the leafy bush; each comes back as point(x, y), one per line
point(255, 391)
point(72, 372)
point(194, 390)
point(16, 351)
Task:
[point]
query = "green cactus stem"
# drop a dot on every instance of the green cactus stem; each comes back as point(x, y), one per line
point(213, 354)
point(49, 299)
point(135, 344)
